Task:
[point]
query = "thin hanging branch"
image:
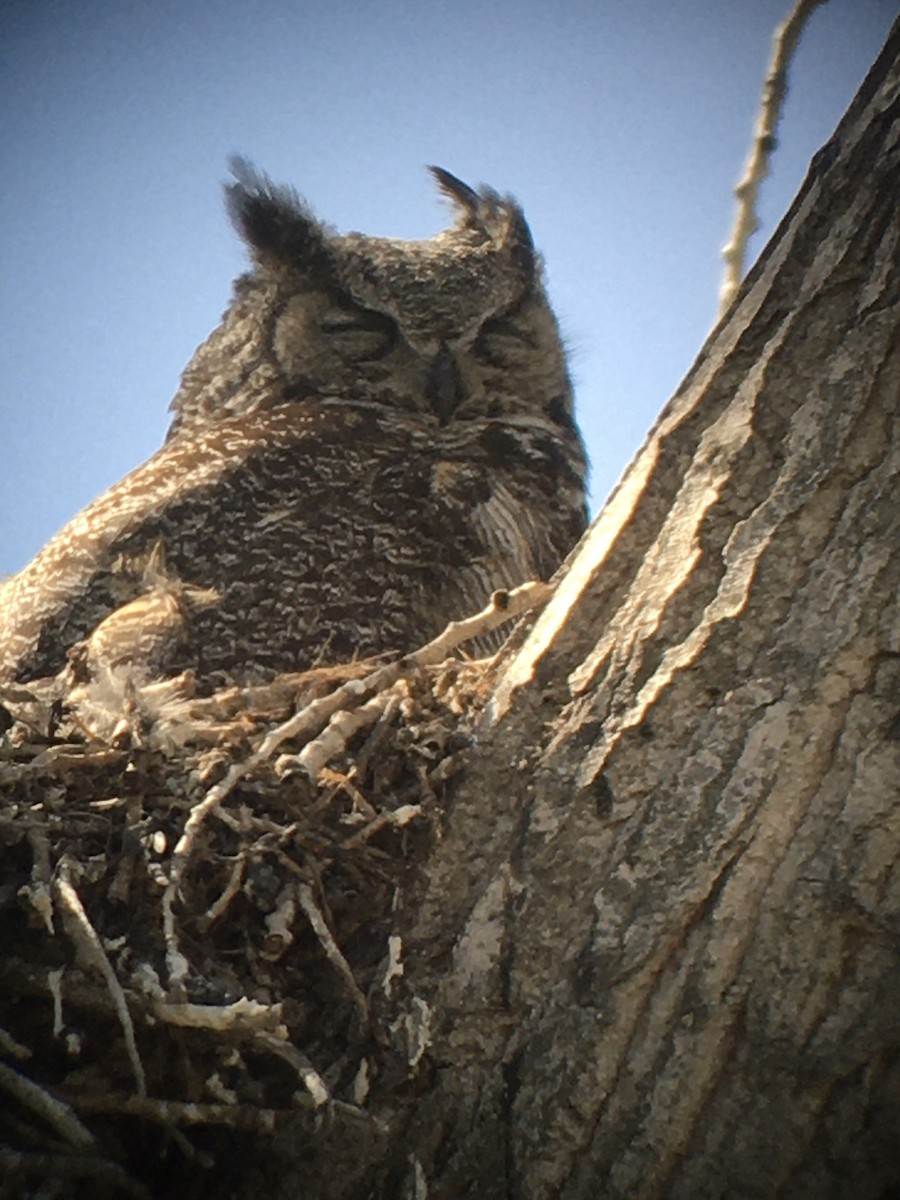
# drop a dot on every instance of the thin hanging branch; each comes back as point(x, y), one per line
point(774, 91)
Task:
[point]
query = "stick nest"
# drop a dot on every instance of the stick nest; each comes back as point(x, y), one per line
point(198, 908)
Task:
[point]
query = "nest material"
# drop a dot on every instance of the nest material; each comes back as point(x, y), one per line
point(197, 912)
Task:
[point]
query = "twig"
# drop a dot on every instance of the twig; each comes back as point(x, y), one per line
point(88, 941)
point(756, 168)
point(332, 951)
point(220, 906)
point(57, 1114)
point(279, 925)
point(261, 1022)
point(56, 1167)
point(38, 891)
point(9, 1045)
point(398, 817)
point(338, 781)
point(334, 738)
point(376, 737)
point(244, 1015)
point(175, 1112)
point(71, 756)
point(307, 1073)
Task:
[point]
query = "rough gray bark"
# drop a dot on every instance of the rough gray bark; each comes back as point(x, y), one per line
point(659, 938)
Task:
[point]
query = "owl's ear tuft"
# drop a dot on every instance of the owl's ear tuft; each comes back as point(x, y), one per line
point(498, 218)
point(279, 228)
point(463, 198)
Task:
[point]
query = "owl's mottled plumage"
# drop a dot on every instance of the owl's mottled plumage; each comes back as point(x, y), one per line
point(377, 436)
point(145, 634)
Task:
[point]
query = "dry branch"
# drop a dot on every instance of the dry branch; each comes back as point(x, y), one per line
point(57, 1114)
point(89, 945)
point(774, 91)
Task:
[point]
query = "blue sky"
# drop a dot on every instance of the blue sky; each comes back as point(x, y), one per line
point(621, 126)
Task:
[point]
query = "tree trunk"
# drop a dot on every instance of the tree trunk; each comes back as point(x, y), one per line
point(658, 941)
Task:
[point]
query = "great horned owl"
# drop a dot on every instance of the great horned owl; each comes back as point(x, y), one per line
point(378, 435)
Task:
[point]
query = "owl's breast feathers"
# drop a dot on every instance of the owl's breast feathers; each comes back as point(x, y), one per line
point(312, 532)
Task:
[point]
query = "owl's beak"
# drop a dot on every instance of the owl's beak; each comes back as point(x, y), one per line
point(444, 388)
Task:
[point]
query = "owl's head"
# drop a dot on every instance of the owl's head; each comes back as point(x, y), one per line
point(453, 328)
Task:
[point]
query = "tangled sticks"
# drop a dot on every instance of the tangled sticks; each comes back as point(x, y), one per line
point(226, 878)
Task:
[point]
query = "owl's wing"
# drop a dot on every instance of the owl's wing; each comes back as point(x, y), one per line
point(95, 563)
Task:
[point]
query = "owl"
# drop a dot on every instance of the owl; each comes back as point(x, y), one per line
point(378, 435)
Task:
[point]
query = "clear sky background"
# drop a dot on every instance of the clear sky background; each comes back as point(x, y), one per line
point(621, 126)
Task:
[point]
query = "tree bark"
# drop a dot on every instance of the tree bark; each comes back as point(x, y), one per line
point(658, 941)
